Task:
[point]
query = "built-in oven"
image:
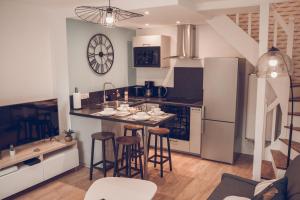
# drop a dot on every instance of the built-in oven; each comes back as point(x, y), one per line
point(148, 56)
point(180, 126)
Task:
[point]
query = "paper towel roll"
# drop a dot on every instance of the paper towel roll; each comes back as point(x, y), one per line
point(76, 101)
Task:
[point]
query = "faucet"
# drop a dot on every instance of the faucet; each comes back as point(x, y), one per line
point(104, 90)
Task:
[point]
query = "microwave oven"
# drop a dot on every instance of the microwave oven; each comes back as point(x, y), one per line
point(146, 56)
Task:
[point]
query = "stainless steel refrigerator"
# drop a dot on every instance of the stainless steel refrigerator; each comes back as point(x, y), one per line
point(223, 84)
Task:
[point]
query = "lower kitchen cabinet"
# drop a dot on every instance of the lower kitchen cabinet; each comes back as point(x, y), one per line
point(185, 129)
point(195, 130)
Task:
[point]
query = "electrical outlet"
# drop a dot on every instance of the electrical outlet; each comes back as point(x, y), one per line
point(85, 95)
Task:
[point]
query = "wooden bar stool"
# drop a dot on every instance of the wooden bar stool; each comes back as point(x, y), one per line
point(134, 132)
point(161, 132)
point(107, 165)
point(129, 142)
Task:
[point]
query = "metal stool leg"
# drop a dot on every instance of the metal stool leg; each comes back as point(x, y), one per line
point(127, 160)
point(169, 152)
point(116, 164)
point(92, 159)
point(140, 161)
point(161, 156)
point(104, 158)
point(155, 151)
point(123, 150)
point(149, 139)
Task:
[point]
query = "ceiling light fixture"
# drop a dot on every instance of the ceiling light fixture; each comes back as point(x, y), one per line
point(146, 24)
point(146, 12)
point(178, 22)
point(105, 15)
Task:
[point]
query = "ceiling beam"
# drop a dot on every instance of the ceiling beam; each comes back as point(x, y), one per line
point(229, 4)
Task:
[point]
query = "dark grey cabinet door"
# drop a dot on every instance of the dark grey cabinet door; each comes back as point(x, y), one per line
point(218, 141)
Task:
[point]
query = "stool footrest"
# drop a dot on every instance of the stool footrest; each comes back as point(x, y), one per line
point(151, 159)
point(109, 165)
point(133, 174)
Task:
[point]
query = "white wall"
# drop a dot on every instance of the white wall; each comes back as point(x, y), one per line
point(209, 44)
point(25, 60)
point(80, 74)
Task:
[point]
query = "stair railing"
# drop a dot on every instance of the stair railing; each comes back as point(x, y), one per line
point(288, 28)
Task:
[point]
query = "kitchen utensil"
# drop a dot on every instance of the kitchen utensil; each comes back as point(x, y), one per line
point(161, 91)
point(149, 85)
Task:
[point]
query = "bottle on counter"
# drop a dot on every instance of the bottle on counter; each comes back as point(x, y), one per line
point(76, 99)
point(12, 151)
point(126, 95)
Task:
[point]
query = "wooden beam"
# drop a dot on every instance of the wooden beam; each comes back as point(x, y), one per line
point(259, 144)
point(249, 23)
point(290, 39)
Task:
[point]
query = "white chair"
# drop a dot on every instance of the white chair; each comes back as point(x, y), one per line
point(117, 188)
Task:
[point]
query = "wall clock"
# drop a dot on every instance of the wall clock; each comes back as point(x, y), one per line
point(100, 54)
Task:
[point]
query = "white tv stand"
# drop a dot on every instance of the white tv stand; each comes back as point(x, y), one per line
point(57, 157)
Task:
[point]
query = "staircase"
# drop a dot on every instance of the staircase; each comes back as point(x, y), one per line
point(242, 32)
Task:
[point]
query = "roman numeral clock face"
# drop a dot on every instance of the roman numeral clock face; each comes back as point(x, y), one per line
point(100, 54)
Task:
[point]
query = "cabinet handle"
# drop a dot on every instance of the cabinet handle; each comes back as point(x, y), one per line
point(203, 121)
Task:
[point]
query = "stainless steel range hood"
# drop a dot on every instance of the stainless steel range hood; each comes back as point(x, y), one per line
point(186, 42)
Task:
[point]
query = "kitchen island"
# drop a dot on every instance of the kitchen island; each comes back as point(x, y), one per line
point(93, 112)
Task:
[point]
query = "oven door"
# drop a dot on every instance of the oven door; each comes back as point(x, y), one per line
point(180, 125)
point(146, 56)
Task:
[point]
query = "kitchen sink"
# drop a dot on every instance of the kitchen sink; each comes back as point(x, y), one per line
point(117, 103)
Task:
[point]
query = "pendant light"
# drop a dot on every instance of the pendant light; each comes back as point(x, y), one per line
point(105, 15)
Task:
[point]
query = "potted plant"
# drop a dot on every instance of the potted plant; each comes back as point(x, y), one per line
point(68, 135)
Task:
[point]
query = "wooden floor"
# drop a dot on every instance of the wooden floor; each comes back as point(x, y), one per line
point(191, 179)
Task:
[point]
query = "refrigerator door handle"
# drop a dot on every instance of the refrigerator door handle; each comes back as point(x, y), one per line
point(203, 121)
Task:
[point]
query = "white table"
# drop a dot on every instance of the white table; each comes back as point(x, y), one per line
point(117, 188)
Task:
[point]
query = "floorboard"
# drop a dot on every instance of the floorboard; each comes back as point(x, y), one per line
point(192, 178)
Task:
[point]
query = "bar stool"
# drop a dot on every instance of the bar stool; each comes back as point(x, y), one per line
point(107, 165)
point(130, 143)
point(134, 132)
point(161, 132)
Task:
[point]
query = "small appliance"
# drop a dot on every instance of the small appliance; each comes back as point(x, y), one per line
point(147, 56)
point(149, 85)
point(161, 91)
point(138, 91)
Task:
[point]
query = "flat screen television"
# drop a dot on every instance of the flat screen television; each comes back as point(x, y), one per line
point(28, 122)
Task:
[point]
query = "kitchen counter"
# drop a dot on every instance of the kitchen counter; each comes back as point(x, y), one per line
point(91, 112)
point(176, 102)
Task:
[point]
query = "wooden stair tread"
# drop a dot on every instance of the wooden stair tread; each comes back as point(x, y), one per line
point(267, 171)
point(295, 145)
point(296, 85)
point(295, 113)
point(280, 159)
point(296, 99)
point(295, 128)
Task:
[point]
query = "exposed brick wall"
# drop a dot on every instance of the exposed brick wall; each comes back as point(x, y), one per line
point(285, 9)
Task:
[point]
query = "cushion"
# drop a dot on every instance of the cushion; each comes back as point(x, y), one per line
point(293, 175)
point(236, 198)
point(275, 191)
point(263, 185)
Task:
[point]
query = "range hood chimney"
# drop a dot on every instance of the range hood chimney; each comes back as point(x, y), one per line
point(186, 42)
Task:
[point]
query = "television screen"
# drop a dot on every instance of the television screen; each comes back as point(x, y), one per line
point(28, 122)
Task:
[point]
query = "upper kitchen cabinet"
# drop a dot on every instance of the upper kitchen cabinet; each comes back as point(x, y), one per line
point(151, 51)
